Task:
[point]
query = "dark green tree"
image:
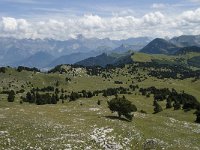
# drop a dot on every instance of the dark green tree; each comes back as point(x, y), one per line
point(57, 97)
point(98, 102)
point(29, 97)
point(11, 96)
point(2, 70)
point(157, 107)
point(38, 99)
point(62, 97)
point(57, 91)
point(176, 105)
point(122, 106)
point(89, 94)
point(169, 103)
point(53, 99)
point(74, 96)
point(198, 116)
point(57, 83)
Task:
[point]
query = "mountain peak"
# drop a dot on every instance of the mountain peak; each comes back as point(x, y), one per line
point(159, 46)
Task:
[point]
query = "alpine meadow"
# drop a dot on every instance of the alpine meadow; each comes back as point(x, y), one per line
point(99, 75)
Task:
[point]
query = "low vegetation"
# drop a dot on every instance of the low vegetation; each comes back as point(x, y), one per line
point(70, 107)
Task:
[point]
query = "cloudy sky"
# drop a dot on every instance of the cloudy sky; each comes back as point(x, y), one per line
point(116, 19)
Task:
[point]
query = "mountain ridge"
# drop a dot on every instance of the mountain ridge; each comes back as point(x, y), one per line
point(159, 46)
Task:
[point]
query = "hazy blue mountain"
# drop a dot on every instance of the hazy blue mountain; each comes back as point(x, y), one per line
point(124, 48)
point(74, 50)
point(100, 60)
point(134, 44)
point(159, 46)
point(11, 54)
point(39, 60)
point(137, 41)
point(186, 40)
point(16, 50)
point(105, 59)
point(72, 58)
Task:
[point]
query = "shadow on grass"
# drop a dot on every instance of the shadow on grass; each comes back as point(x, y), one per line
point(117, 118)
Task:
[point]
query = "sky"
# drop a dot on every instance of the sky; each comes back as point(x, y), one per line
point(114, 19)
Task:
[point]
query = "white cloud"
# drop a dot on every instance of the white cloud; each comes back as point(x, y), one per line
point(158, 5)
point(9, 24)
point(154, 18)
point(191, 16)
point(154, 24)
point(91, 21)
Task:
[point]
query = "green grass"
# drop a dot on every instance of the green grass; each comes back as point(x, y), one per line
point(71, 125)
point(167, 59)
point(56, 126)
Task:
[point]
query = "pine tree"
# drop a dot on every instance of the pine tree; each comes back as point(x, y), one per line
point(57, 83)
point(98, 102)
point(29, 97)
point(198, 116)
point(57, 97)
point(53, 99)
point(62, 97)
point(157, 107)
point(169, 103)
point(38, 100)
point(176, 105)
point(11, 96)
point(57, 91)
point(122, 106)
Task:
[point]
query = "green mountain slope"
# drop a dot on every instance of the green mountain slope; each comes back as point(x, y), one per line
point(185, 59)
point(159, 46)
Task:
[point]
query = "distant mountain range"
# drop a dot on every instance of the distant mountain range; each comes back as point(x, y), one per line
point(186, 40)
point(105, 59)
point(162, 46)
point(72, 58)
point(39, 60)
point(15, 50)
point(183, 56)
point(49, 53)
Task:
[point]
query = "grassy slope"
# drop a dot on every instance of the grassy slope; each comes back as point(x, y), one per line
point(168, 59)
point(70, 124)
